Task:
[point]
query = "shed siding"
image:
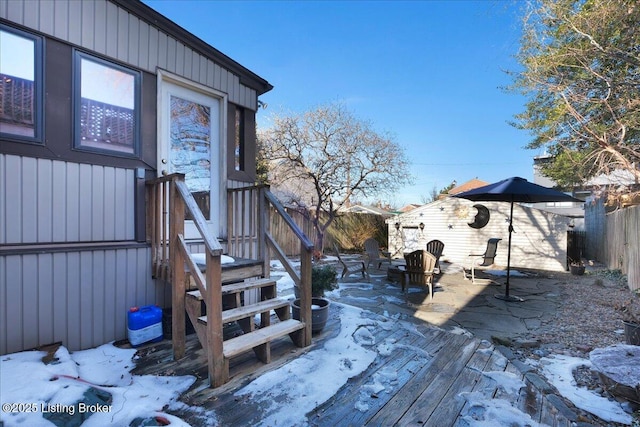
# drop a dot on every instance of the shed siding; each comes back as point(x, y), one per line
point(101, 26)
point(53, 201)
point(72, 296)
point(539, 240)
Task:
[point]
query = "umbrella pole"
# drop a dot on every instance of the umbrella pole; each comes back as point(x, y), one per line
point(506, 296)
point(506, 291)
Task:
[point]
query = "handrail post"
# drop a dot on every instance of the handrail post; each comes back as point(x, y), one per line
point(163, 212)
point(305, 293)
point(176, 228)
point(264, 227)
point(217, 365)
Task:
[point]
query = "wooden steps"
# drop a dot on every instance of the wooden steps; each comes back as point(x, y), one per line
point(234, 288)
point(240, 269)
point(238, 345)
point(247, 235)
point(248, 311)
point(256, 337)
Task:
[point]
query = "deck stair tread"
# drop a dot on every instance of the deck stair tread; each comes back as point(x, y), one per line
point(242, 343)
point(238, 287)
point(246, 285)
point(241, 268)
point(249, 310)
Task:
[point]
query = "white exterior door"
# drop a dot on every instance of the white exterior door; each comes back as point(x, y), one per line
point(191, 129)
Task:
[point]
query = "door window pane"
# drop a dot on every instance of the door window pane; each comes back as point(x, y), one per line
point(20, 100)
point(190, 150)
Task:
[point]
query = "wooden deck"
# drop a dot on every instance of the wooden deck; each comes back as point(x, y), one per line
point(431, 369)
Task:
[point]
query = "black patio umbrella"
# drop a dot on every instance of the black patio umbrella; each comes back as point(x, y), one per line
point(512, 190)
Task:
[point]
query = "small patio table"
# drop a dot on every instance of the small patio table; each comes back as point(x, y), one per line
point(395, 272)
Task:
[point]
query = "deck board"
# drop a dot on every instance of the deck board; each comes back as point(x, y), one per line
point(421, 381)
point(432, 368)
point(340, 409)
point(438, 379)
point(451, 405)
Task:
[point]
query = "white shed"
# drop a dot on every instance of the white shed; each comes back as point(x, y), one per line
point(539, 239)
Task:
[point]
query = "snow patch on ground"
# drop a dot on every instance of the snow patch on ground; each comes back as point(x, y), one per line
point(559, 371)
point(385, 380)
point(291, 391)
point(287, 393)
point(481, 411)
point(395, 300)
point(460, 331)
point(61, 383)
point(508, 382)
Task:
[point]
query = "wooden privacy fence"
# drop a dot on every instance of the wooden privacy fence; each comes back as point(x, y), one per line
point(289, 242)
point(613, 239)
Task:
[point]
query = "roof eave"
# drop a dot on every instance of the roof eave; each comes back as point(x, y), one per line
point(146, 13)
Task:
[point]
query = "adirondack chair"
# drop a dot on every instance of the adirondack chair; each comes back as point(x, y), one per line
point(435, 247)
point(419, 269)
point(482, 260)
point(350, 267)
point(373, 253)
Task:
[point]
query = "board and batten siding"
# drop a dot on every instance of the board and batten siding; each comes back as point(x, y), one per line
point(539, 240)
point(56, 283)
point(52, 201)
point(103, 27)
point(78, 298)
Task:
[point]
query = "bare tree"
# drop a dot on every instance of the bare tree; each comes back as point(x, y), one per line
point(323, 158)
point(431, 197)
point(581, 74)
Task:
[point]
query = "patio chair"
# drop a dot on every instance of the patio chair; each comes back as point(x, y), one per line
point(482, 260)
point(435, 248)
point(350, 267)
point(373, 253)
point(419, 270)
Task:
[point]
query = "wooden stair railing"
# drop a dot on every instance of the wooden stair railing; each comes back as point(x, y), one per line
point(303, 280)
point(168, 199)
point(248, 227)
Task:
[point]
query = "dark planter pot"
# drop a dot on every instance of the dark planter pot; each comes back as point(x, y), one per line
point(319, 312)
point(577, 270)
point(632, 333)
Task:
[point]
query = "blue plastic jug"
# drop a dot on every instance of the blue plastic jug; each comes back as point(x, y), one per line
point(144, 324)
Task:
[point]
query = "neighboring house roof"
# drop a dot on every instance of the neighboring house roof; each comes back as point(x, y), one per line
point(469, 185)
point(409, 207)
point(367, 209)
point(616, 178)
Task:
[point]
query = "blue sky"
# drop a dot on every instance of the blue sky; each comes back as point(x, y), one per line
point(428, 72)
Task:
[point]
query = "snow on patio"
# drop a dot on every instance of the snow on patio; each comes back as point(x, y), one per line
point(29, 387)
point(558, 369)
